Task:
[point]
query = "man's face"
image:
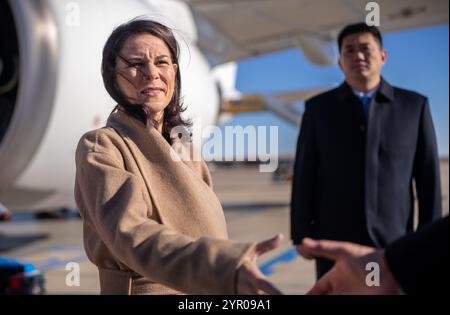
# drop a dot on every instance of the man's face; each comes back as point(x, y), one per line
point(361, 57)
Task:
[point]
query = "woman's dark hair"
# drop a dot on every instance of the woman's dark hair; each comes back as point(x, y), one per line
point(115, 42)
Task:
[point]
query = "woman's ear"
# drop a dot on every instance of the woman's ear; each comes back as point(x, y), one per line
point(175, 67)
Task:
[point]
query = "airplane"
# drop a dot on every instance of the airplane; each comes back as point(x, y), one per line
point(51, 89)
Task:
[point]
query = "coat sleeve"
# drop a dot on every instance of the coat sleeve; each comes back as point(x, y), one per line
point(302, 199)
point(419, 261)
point(427, 170)
point(112, 202)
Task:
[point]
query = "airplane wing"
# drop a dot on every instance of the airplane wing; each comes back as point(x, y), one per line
point(236, 29)
point(256, 102)
point(281, 104)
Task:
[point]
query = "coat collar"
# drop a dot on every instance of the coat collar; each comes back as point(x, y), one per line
point(386, 91)
point(131, 128)
point(149, 140)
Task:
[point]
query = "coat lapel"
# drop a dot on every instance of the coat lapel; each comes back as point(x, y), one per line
point(379, 109)
point(181, 197)
point(378, 112)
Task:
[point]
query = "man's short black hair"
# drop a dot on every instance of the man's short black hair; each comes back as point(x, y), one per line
point(359, 28)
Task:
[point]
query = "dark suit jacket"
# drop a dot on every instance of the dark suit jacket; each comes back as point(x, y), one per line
point(353, 181)
point(419, 261)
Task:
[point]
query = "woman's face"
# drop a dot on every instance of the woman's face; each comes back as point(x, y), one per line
point(145, 73)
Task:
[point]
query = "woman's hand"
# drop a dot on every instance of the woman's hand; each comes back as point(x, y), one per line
point(250, 279)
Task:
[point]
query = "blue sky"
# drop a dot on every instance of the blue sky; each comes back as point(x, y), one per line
point(417, 60)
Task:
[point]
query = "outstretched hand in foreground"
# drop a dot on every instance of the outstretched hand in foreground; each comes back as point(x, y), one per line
point(349, 274)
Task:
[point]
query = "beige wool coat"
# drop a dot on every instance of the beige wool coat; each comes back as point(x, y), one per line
point(151, 224)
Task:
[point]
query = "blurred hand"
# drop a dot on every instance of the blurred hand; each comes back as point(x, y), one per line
point(348, 276)
point(302, 252)
point(5, 214)
point(250, 280)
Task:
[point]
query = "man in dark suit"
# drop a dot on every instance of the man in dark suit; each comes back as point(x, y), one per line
point(416, 263)
point(360, 147)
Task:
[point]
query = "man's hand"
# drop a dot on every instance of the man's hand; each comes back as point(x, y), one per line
point(250, 280)
point(348, 276)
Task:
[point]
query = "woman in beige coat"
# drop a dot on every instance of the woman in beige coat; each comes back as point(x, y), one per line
point(152, 223)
